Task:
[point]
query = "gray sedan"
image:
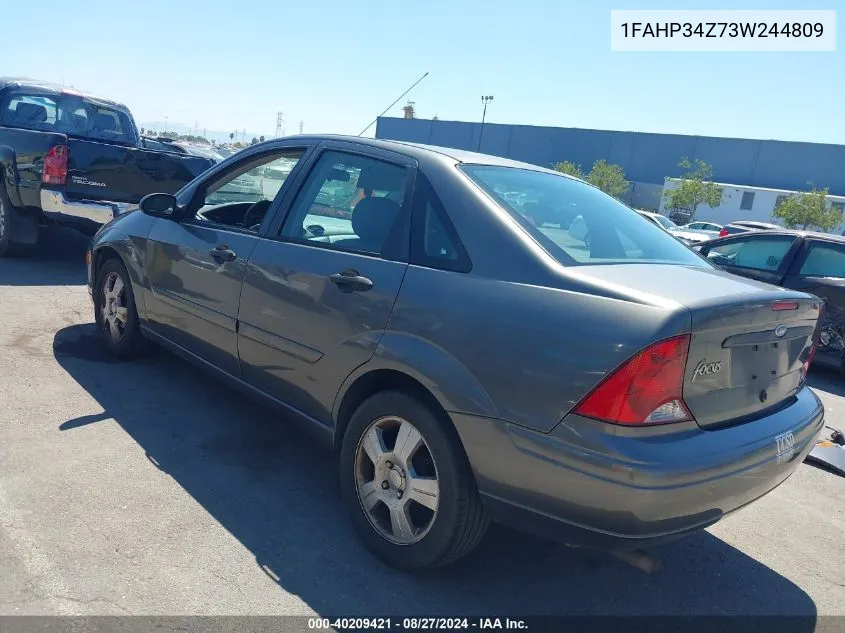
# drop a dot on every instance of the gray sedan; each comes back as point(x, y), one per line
point(466, 360)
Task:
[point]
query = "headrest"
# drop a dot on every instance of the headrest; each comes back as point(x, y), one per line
point(31, 112)
point(372, 219)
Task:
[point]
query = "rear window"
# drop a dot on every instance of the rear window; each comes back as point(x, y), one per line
point(575, 222)
point(68, 114)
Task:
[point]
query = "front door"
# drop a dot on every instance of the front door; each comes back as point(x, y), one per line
point(196, 265)
point(820, 270)
point(317, 298)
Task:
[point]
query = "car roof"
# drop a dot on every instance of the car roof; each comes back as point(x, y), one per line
point(422, 151)
point(49, 87)
point(755, 223)
point(814, 235)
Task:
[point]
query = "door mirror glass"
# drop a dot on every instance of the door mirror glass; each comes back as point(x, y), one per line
point(160, 205)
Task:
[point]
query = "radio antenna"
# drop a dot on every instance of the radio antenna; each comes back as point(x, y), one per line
point(394, 103)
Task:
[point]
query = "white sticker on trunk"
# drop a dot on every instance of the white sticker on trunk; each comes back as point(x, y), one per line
point(785, 447)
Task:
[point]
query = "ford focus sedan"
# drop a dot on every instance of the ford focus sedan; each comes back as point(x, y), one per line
point(467, 361)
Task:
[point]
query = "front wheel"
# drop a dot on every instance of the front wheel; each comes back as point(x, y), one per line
point(408, 485)
point(12, 224)
point(115, 313)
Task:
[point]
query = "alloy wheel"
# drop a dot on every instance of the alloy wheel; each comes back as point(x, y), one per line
point(396, 480)
point(113, 308)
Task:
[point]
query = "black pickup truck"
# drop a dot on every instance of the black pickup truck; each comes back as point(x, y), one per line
point(74, 159)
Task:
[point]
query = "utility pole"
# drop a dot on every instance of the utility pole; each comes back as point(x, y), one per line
point(165, 126)
point(280, 124)
point(301, 124)
point(243, 136)
point(485, 100)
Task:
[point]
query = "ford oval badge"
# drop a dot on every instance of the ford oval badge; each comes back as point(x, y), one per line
point(780, 331)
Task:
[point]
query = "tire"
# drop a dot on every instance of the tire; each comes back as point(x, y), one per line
point(434, 537)
point(11, 224)
point(127, 342)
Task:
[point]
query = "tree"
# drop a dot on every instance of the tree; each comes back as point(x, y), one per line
point(261, 139)
point(569, 168)
point(231, 136)
point(142, 131)
point(609, 178)
point(253, 141)
point(694, 189)
point(808, 210)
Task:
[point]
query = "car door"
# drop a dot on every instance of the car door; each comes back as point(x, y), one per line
point(318, 295)
point(755, 255)
point(196, 265)
point(820, 270)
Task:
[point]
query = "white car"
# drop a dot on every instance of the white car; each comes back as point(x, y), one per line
point(687, 237)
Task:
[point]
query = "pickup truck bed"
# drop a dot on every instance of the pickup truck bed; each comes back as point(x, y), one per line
point(83, 176)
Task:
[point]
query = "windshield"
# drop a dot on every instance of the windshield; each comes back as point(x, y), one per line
point(69, 114)
point(577, 223)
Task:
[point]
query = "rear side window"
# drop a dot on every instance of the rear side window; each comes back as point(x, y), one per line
point(70, 114)
point(824, 260)
point(758, 253)
point(577, 223)
point(434, 240)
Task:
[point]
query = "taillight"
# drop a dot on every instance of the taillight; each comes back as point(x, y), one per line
point(723, 232)
point(779, 306)
point(646, 389)
point(54, 171)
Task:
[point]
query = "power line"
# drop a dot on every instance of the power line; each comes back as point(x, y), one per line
point(394, 103)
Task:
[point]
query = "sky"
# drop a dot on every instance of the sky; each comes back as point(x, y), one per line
point(336, 65)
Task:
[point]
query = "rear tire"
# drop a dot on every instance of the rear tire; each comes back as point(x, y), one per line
point(444, 518)
point(13, 226)
point(115, 313)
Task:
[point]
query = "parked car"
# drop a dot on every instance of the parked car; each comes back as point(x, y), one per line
point(465, 363)
point(743, 226)
point(686, 237)
point(798, 260)
point(74, 159)
point(702, 226)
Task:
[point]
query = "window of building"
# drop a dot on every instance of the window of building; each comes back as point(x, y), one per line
point(838, 206)
point(780, 200)
point(747, 200)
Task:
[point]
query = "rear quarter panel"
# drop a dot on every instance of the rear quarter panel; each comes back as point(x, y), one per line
point(21, 159)
point(523, 353)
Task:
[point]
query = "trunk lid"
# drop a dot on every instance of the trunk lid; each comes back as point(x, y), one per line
point(745, 354)
point(100, 170)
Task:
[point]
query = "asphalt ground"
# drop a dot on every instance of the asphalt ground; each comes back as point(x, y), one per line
point(149, 488)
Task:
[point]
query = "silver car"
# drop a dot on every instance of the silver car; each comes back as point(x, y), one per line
point(467, 362)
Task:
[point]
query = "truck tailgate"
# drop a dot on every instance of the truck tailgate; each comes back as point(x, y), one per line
point(100, 170)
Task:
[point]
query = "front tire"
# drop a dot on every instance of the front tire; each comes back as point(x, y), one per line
point(115, 312)
point(407, 484)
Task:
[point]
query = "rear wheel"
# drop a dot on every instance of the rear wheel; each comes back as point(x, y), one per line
point(115, 313)
point(12, 227)
point(408, 485)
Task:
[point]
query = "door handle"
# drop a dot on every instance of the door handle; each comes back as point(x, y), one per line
point(223, 253)
point(351, 281)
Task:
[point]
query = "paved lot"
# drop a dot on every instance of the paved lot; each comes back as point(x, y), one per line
point(148, 488)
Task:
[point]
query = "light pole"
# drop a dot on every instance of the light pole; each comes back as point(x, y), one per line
point(485, 100)
point(165, 125)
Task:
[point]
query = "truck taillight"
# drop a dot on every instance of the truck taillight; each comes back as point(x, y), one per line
point(54, 171)
point(645, 389)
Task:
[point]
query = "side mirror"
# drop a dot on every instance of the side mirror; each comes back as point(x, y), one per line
point(159, 205)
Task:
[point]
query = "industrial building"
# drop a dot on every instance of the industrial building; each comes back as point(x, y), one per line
point(648, 159)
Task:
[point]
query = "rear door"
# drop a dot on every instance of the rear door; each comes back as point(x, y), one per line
point(318, 294)
point(196, 266)
point(819, 269)
point(755, 255)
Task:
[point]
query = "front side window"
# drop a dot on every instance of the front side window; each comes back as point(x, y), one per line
point(575, 222)
point(757, 253)
point(242, 196)
point(824, 260)
point(348, 201)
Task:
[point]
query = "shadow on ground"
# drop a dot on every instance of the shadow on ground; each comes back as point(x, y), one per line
point(277, 493)
point(58, 260)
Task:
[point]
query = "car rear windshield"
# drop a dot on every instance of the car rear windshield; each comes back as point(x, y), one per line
point(69, 114)
point(577, 223)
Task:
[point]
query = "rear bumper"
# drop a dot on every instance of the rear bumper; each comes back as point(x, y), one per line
point(592, 484)
point(57, 207)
